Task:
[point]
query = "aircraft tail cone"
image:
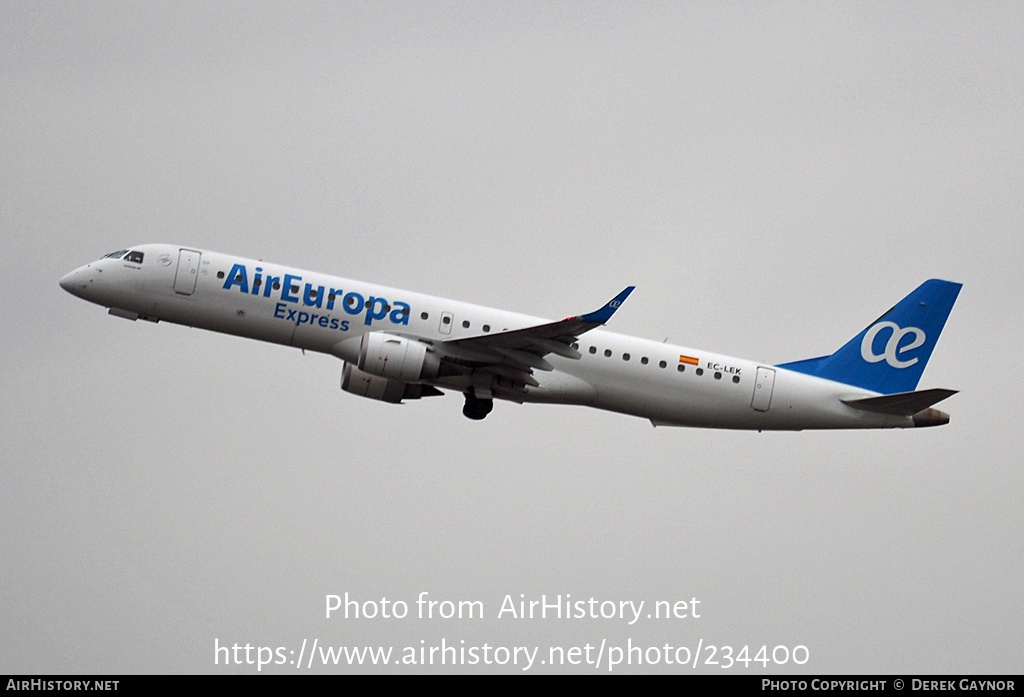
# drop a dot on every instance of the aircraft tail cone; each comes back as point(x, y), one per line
point(931, 417)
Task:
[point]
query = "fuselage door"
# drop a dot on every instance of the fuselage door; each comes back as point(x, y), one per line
point(187, 273)
point(763, 386)
point(446, 323)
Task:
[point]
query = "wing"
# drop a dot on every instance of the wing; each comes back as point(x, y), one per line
point(512, 356)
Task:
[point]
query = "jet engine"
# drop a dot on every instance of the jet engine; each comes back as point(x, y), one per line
point(366, 384)
point(393, 356)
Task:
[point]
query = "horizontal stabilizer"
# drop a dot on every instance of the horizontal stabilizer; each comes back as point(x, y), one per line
point(901, 403)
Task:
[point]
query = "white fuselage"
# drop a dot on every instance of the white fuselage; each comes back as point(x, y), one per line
point(668, 384)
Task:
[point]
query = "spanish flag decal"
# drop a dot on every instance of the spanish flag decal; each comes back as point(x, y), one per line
point(689, 359)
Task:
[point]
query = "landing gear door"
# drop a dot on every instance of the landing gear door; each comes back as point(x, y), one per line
point(763, 386)
point(187, 273)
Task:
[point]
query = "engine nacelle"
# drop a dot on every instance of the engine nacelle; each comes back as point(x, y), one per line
point(393, 356)
point(385, 389)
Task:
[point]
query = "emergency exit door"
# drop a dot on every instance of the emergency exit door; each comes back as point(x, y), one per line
point(763, 386)
point(187, 273)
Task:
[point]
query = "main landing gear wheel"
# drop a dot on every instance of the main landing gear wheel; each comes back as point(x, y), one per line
point(476, 408)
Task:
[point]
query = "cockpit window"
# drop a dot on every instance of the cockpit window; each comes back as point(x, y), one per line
point(116, 255)
point(134, 257)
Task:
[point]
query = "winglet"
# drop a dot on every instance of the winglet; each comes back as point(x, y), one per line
point(605, 313)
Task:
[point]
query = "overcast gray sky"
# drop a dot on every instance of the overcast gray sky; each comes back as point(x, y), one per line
point(771, 176)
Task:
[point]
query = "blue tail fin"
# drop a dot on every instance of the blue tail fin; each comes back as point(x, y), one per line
point(889, 356)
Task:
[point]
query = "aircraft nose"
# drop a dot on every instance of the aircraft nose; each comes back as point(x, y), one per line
point(77, 281)
point(68, 281)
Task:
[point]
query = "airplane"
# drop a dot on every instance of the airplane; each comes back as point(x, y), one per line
point(398, 346)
